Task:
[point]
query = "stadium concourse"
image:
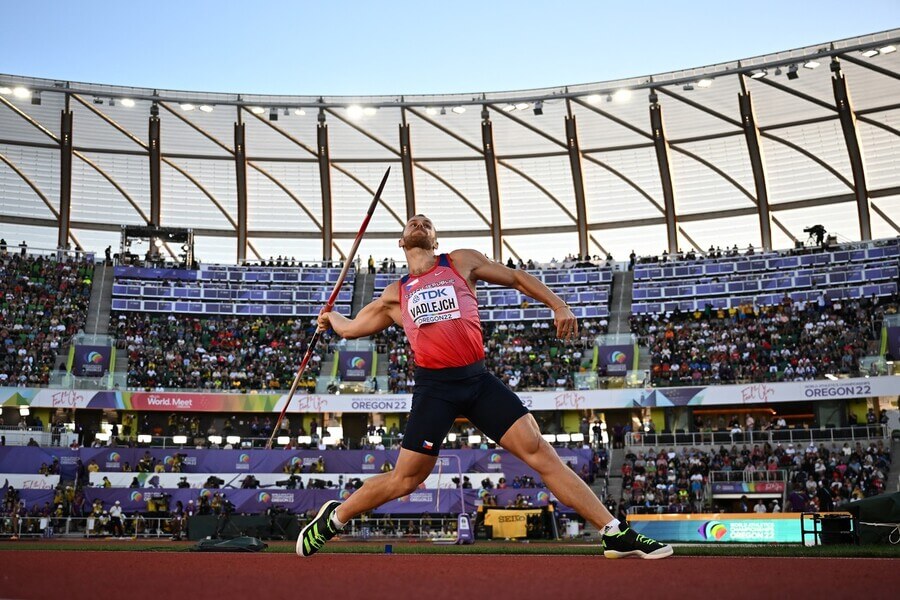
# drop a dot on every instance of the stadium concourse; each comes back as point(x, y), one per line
point(153, 320)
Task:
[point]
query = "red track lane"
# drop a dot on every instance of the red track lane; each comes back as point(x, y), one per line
point(202, 576)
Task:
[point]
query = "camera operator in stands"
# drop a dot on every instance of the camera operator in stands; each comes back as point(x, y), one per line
point(213, 483)
point(291, 483)
point(183, 483)
point(249, 483)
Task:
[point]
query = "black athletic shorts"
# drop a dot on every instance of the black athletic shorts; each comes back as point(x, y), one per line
point(441, 395)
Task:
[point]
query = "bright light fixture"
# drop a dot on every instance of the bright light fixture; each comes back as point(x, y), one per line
point(451, 437)
point(509, 108)
point(304, 439)
point(758, 74)
point(523, 106)
point(593, 99)
point(870, 53)
point(215, 439)
point(176, 439)
point(24, 411)
point(563, 437)
point(21, 93)
point(5, 91)
point(431, 111)
point(257, 110)
point(887, 49)
point(370, 111)
point(354, 111)
point(704, 83)
point(549, 437)
point(374, 439)
point(235, 439)
point(577, 437)
point(187, 106)
point(810, 64)
point(206, 108)
point(127, 102)
point(459, 109)
point(474, 439)
point(103, 437)
point(622, 95)
point(283, 440)
point(299, 112)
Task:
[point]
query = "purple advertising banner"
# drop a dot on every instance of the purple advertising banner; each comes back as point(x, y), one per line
point(91, 361)
point(354, 365)
point(615, 359)
point(893, 342)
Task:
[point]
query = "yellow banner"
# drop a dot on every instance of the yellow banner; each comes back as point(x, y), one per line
point(508, 523)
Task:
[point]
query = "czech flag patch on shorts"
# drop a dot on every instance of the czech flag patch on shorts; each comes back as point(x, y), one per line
point(427, 445)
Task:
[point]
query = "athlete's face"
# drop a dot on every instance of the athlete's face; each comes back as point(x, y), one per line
point(419, 233)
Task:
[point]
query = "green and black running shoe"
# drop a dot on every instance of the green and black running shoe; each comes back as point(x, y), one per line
point(318, 531)
point(629, 543)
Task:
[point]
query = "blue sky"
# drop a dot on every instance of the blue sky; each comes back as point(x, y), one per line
point(394, 47)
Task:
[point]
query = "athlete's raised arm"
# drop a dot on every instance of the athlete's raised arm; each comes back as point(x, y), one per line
point(376, 316)
point(478, 268)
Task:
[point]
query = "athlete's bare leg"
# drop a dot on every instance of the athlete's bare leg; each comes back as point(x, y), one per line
point(412, 468)
point(524, 440)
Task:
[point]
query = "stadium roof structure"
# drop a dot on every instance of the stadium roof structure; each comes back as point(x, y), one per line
point(750, 152)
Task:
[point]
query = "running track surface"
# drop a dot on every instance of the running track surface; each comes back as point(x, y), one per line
point(203, 576)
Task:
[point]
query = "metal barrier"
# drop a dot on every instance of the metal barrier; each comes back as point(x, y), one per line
point(397, 528)
point(775, 436)
point(135, 526)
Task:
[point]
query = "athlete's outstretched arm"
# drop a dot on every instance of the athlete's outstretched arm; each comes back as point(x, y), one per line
point(480, 268)
point(376, 316)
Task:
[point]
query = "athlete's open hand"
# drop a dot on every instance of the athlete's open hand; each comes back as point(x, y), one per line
point(566, 323)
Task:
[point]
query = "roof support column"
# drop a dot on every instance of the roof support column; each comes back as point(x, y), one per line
point(851, 138)
point(757, 164)
point(665, 171)
point(325, 182)
point(409, 184)
point(490, 163)
point(240, 169)
point(577, 182)
point(155, 168)
point(65, 177)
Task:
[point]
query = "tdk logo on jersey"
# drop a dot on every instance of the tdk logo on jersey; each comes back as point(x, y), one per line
point(433, 294)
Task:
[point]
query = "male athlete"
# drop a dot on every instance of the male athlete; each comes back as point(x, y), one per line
point(436, 305)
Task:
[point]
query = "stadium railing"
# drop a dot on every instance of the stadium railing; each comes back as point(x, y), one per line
point(776, 436)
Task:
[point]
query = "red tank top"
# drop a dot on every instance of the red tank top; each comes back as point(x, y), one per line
point(440, 317)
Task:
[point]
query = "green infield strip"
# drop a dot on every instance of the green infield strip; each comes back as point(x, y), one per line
point(481, 547)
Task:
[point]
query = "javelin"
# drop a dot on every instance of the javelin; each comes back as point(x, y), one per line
point(329, 305)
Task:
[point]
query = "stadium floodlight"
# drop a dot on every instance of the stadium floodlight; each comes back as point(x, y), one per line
point(792, 72)
point(431, 111)
point(622, 95)
point(257, 110)
point(474, 439)
point(459, 109)
point(551, 438)
point(374, 439)
point(509, 108)
point(355, 111)
point(577, 437)
point(214, 439)
point(870, 52)
point(370, 111)
point(187, 106)
point(283, 440)
point(594, 99)
point(523, 106)
point(234, 439)
point(758, 74)
point(811, 64)
point(176, 439)
point(705, 83)
point(21, 93)
point(304, 439)
point(6, 91)
point(299, 112)
point(887, 49)
point(128, 102)
point(206, 108)
point(564, 438)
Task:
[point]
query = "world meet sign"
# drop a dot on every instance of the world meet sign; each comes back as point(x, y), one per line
point(355, 365)
point(91, 361)
point(616, 359)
